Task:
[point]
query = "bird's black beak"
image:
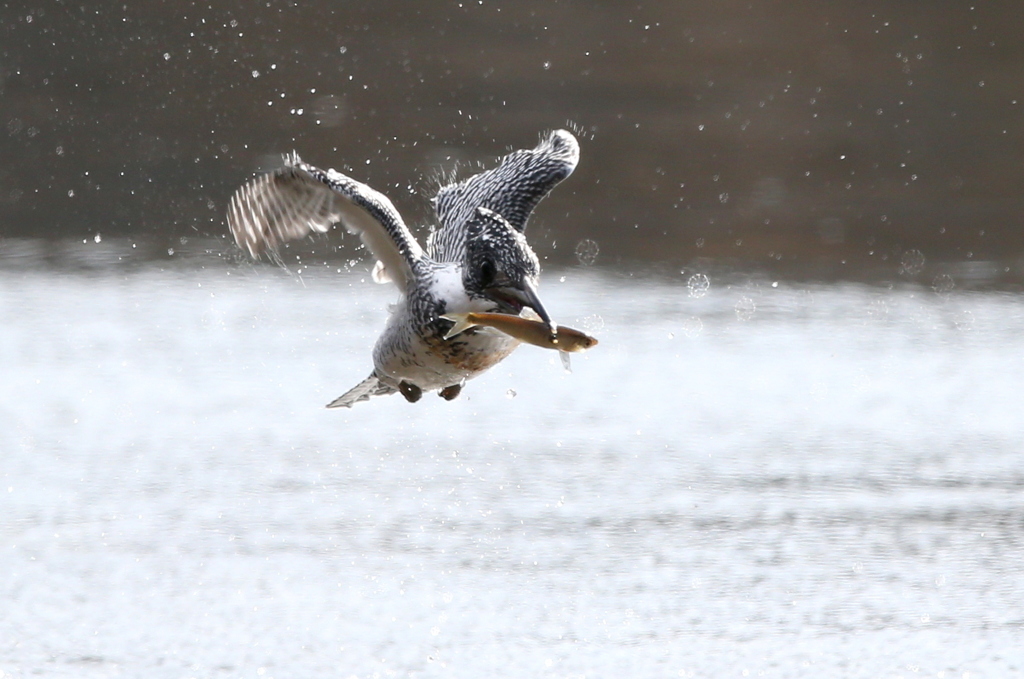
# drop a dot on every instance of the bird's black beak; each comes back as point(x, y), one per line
point(526, 295)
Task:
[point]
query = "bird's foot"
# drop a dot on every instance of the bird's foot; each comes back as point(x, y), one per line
point(450, 392)
point(410, 391)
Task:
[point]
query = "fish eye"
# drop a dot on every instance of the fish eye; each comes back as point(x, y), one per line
point(487, 272)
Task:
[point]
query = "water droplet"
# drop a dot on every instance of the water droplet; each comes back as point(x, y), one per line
point(511, 393)
point(587, 251)
point(912, 262)
point(723, 197)
point(97, 238)
point(745, 308)
point(330, 110)
point(698, 285)
point(693, 326)
point(943, 283)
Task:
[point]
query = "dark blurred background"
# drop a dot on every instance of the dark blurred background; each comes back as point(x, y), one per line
point(833, 140)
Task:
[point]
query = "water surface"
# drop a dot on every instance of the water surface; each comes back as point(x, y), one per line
point(770, 479)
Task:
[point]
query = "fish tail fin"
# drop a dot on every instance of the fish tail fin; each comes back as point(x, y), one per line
point(461, 322)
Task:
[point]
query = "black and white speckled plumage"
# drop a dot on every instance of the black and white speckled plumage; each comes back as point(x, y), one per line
point(512, 189)
point(477, 260)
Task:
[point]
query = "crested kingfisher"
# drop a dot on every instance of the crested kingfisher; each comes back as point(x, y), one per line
point(476, 260)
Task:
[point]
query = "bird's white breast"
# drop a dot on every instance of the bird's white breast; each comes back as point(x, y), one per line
point(406, 352)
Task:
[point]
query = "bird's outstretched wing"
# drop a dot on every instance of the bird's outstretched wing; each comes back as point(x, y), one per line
point(300, 199)
point(363, 391)
point(512, 189)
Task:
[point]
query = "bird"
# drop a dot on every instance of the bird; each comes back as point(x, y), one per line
point(477, 258)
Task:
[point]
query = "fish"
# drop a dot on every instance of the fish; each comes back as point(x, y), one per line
point(563, 339)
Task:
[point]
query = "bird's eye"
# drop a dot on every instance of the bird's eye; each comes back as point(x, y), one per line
point(487, 272)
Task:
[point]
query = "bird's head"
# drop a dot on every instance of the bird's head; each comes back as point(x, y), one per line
point(500, 265)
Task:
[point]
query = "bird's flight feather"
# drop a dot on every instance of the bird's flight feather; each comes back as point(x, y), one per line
point(512, 189)
point(300, 199)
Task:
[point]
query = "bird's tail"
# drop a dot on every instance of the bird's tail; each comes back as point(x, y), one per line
point(371, 386)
